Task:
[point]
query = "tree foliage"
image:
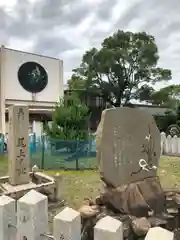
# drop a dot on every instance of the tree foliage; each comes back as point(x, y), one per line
point(76, 82)
point(70, 120)
point(168, 96)
point(163, 122)
point(124, 68)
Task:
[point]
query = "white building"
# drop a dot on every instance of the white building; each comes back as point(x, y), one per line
point(30, 79)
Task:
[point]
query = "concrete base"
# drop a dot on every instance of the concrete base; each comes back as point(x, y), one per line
point(38, 181)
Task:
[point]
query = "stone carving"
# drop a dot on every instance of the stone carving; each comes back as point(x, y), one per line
point(128, 145)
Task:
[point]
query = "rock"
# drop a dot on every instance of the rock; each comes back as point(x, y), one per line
point(87, 211)
point(153, 194)
point(141, 226)
point(172, 211)
point(155, 221)
point(165, 216)
point(158, 233)
point(127, 230)
point(177, 234)
point(98, 200)
point(35, 169)
point(136, 199)
point(87, 201)
point(128, 149)
point(176, 198)
point(101, 215)
point(169, 193)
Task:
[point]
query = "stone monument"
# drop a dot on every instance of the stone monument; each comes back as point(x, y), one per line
point(18, 152)
point(128, 151)
point(128, 146)
point(20, 179)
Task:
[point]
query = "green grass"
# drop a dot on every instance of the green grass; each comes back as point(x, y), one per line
point(169, 172)
point(3, 165)
point(77, 185)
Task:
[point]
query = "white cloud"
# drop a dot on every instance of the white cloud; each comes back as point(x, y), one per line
point(68, 28)
point(21, 44)
point(93, 3)
point(7, 4)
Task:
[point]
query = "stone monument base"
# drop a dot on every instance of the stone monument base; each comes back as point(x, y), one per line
point(38, 181)
point(138, 198)
point(139, 206)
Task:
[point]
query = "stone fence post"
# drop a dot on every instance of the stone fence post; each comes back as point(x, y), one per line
point(7, 218)
point(170, 145)
point(32, 216)
point(32, 222)
point(67, 225)
point(108, 228)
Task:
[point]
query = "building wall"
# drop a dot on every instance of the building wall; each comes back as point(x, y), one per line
point(13, 59)
point(11, 91)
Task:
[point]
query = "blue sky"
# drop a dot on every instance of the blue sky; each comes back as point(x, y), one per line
point(67, 28)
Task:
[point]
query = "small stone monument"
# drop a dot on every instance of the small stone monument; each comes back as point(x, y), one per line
point(18, 153)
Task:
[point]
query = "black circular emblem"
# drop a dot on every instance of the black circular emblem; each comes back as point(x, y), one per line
point(32, 77)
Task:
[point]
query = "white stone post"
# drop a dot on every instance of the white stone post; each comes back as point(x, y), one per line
point(32, 216)
point(168, 145)
point(108, 228)
point(174, 142)
point(158, 233)
point(178, 146)
point(67, 225)
point(7, 218)
point(58, 188)
point(163, 139)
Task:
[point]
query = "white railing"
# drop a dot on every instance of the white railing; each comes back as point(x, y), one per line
point(27, 219)
point(170, 145)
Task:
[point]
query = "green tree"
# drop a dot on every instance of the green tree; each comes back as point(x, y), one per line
point(70, 120)
point(81, 88)
point(168, 96)
point(124, 68)
point(76, 82)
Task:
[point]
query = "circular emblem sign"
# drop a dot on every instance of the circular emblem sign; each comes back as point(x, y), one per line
point(32, 77)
